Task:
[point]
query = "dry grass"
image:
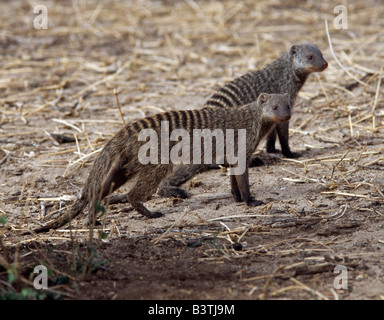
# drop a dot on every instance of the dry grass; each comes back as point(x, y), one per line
point(101, 64)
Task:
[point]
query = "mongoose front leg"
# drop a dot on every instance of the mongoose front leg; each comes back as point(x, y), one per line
point(235, 189)
point(243, 188)
point(282, 130)
point(271, 141)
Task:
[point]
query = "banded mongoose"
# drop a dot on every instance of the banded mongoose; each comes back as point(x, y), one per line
point(287, 74)
point(119, 160)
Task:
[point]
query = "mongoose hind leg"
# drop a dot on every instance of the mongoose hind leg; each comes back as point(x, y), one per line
point(116, 178)
point(147, 183)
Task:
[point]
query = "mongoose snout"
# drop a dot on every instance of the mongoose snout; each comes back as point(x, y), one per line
point(323, 67)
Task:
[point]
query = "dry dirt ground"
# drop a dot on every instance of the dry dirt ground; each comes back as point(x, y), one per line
point(323, 211)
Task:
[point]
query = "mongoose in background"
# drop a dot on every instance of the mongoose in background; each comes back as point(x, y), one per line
point(119, 161)
point(287, 74)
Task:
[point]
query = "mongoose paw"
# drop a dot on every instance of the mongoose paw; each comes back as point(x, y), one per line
point(256, 162)
point(89, 222)
point(173, 192)
point(254, 203)
point(154, 215)
point(273, 150)
point(292, 155)
point(181, 193)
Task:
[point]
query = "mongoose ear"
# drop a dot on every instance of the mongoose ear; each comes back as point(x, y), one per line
point(292, 49)
point(263, 97)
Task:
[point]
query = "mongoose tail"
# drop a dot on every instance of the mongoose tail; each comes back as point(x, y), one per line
point(92, 187)
point(76, 209)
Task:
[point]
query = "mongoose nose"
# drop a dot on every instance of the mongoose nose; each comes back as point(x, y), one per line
point(287, 117)
point(325, 64)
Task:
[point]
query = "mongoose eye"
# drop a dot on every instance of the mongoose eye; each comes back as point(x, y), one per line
point(310, 57)
point(275, 107)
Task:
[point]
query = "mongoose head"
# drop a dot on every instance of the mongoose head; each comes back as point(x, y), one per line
point(276, 107)
point(307, 58)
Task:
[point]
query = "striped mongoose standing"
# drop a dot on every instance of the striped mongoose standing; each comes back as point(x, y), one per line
point(120, 161)
point(287, 74)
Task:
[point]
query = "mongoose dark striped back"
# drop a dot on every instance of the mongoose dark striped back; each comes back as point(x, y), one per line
point(186, 119)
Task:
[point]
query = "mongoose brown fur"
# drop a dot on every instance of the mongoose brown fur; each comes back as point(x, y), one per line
point(119, 162)
point(287, 74)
